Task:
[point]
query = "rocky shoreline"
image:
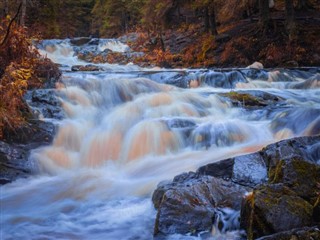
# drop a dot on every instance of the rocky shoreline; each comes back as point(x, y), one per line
point(38, 131)
point(273, 194)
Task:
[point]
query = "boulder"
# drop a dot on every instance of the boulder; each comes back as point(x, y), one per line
point(191, 203)
point(15, 150)
point(274, 208)
point(247, 170)
point(80, 41)
point(44, 103)
point(295, 234)
point(291, 198)
point(256, 65)
point(89, 68)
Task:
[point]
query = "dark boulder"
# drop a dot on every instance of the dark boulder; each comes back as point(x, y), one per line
point(80, 41)
point(247, 170)
point(90, 68)
point(291, 198)
point(304, 233)
point(191, 203)
point(15, 150)
point(274, 208)
point(44, 103)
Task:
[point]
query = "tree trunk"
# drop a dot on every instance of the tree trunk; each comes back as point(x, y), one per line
point(6, 8)
point(23, 12)
point(304, 4)
point(212, 20)
point(206, 19)
point(290, 23)
point(163, 48)
point(264, 14)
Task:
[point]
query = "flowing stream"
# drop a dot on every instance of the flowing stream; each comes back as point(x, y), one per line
point(126, 129)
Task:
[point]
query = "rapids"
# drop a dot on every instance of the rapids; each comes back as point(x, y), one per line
point(126, 129)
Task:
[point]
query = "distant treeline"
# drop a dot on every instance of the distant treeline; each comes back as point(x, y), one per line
point(71, 18)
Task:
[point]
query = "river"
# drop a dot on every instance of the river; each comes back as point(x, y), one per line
point(128, 128)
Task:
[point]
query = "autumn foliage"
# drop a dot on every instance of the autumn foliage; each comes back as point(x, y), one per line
point(21, 68)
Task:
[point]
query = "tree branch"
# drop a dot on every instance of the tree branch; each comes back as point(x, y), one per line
point(9, 26)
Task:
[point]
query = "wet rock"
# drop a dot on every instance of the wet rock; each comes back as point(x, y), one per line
point(305, 147)
point(299, 175)
point(295, 234)
point(80, 41)
point(44, 103)
point(256, 65)
point(291, 198)
point(191, 203)
point(15, 150)
point(247, 170)
point(291, 64)
point(85, 68)
point(274, 208)
point(223, 79)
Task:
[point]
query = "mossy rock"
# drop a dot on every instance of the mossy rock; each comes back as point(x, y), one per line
point(295, 234)
point(274, 208)
point(244, 99)
point(299, 175)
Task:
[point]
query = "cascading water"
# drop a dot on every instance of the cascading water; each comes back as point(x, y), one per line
point(128, 129)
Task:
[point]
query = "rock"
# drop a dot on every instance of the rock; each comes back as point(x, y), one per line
point(223, 79)
point(80, 41)
point(291, 198)
point(291, 64)
point(191, 203)
point(295, 234)
point(256, 65)
point(14, 153)
point(299, 175)
point(85, 68)
point(247, 170)
point(272, 209)
point(44, 103)
point(305, 147)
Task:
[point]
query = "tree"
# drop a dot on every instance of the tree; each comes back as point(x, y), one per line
point(264, 14)
point(208, 15)
point(23, 12)
point(290, 22)
point(304, 4)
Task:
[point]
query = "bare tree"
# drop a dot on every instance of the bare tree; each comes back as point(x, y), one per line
point(264, 14)
point(290, 21)
point(6, 7)
point(23, 12)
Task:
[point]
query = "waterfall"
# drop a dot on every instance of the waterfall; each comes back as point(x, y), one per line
point(127, 128)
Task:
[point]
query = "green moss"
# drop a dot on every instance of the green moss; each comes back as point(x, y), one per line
point(244, 99)
point(275, 174)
